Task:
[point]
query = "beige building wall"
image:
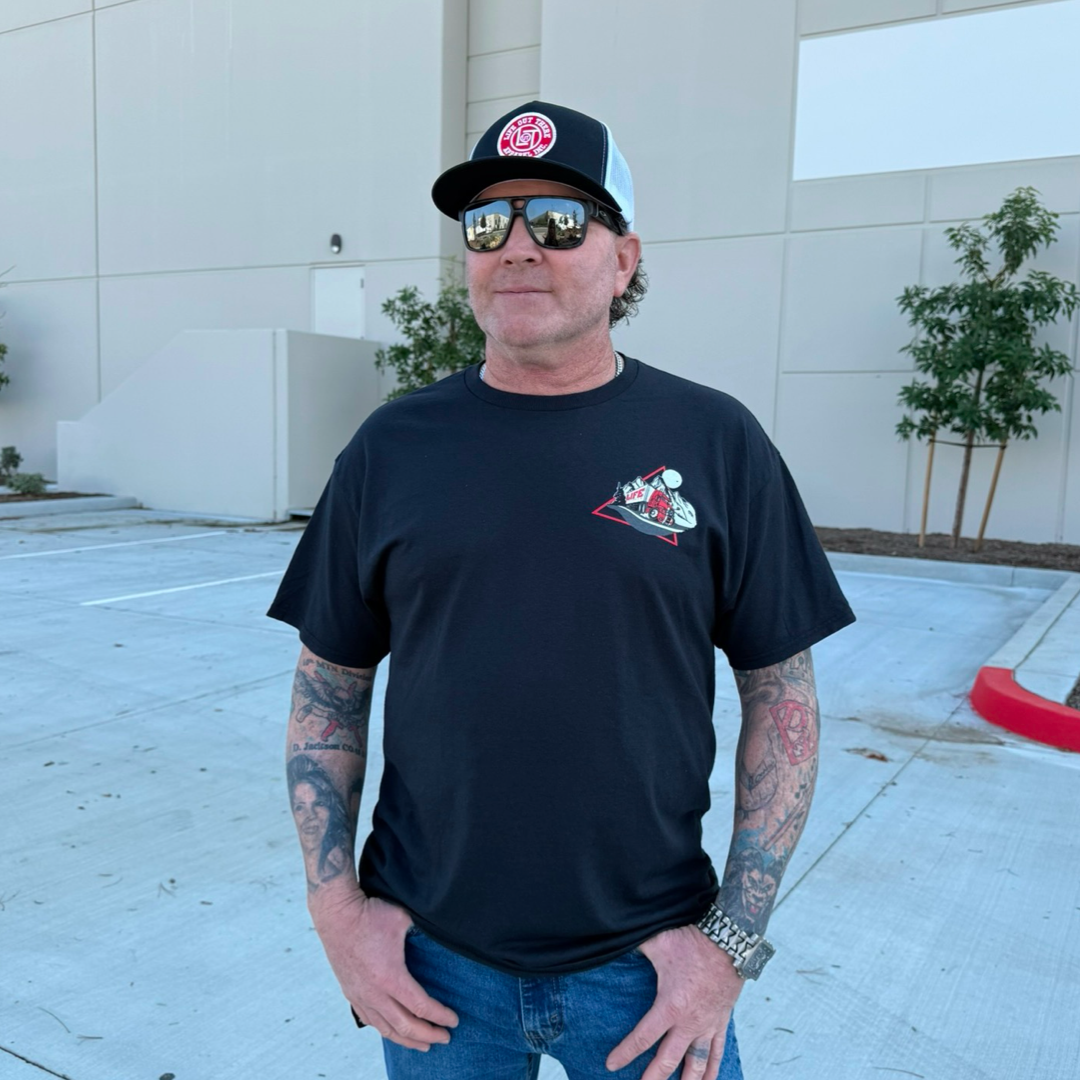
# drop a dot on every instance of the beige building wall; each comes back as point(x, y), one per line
point(504, 62)
point(182, 164)
point(783, 293)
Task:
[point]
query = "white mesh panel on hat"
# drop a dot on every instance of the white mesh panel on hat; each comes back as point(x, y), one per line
point(617, 179)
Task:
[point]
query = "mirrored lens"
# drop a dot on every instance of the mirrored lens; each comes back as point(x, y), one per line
point(486, 225)
point(556, 223)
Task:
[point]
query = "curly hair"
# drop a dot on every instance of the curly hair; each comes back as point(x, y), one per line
point(626, 306)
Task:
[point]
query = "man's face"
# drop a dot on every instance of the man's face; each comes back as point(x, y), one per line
point(524, 295)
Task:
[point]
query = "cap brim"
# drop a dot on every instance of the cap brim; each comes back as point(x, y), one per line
point(459, 186)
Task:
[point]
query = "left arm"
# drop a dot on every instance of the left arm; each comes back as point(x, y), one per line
point(775, 769)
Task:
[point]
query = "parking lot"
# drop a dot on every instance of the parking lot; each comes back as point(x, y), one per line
point(152, 905)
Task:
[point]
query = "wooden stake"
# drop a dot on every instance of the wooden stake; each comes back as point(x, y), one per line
point(990, 497)
point(926, 492)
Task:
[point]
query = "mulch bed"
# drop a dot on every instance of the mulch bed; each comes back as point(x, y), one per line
point(939, 546)
point(43, 495)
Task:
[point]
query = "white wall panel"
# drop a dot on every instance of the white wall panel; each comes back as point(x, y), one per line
point(504, 74)
point(699, 100)
point(711, 314)
point(236, 133)
point(825, 16)
point(50, 329)
point(1071, 465)
point(141, 314)
point(482, 114)
point(971, 192)
point(16, 13)
point(495, 25)
point(47, 179)
point(887, 199)
point(836, 433)
point(840, 311)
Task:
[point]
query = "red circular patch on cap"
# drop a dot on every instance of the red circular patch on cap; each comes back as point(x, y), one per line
point(527, 135)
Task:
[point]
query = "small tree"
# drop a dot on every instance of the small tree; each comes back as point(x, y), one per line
point(440, 337)
point(975, 343)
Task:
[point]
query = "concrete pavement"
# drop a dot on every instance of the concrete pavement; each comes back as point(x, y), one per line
point(152, 914)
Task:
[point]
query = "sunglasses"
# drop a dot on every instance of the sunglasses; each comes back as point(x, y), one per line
point(553, 221)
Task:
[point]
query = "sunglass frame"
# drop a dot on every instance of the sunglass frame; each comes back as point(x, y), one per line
point(593, 209)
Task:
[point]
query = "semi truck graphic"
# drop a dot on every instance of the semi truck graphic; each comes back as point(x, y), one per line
point(652, 505)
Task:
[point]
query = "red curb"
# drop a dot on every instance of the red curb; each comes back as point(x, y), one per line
point(997, 696)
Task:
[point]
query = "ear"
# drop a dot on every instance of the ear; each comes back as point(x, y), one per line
point(627, 256)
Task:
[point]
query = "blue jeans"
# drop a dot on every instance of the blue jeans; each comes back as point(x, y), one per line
point(506, 1022)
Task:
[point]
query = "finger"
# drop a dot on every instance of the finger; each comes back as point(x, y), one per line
point(697, 1059)
point(420, 1003)
point(645, 1034)
point(716, 1055)
point(409, 1026)
point(383, 1026)
point(670, 1054)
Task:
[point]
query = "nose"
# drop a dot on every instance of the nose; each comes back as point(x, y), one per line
point(520, 246)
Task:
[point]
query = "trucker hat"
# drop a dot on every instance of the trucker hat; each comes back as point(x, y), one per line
point(542, 141)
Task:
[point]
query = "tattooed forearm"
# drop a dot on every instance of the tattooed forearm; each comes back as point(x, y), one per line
point(775, 767)
point(325, 762)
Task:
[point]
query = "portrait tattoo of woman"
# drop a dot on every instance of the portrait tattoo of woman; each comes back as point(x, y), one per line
point(326, 836)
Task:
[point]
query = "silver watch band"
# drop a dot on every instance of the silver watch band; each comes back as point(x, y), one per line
point(750, 952)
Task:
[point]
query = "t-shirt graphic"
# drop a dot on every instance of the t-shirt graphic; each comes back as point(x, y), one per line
point(652, 505)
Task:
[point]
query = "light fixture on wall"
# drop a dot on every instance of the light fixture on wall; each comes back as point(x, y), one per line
point(335, 244)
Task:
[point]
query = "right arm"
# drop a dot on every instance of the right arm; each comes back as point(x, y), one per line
point(364, 937)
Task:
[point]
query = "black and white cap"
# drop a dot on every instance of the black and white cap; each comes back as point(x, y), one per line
point(542, 141)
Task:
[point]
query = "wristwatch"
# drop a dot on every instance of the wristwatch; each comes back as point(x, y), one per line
point(750, 952)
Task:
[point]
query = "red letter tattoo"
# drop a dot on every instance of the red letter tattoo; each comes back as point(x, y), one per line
point(795, 722)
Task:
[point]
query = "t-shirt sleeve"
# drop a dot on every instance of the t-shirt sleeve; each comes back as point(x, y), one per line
point(779, 593)
point(321, 593)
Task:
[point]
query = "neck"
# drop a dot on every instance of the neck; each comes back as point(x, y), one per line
point(536, 372)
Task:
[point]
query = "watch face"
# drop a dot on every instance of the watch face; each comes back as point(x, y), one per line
point(756, 960)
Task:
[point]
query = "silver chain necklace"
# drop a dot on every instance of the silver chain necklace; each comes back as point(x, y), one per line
point(618, 366)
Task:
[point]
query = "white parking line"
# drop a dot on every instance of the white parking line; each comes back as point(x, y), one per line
point(180, 588)
point(99, 547)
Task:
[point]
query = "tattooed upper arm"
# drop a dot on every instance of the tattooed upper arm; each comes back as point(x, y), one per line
point(331, 704)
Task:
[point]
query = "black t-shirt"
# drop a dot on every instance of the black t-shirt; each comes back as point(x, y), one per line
point(550, 576)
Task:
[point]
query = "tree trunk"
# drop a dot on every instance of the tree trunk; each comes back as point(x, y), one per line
point(961, 495)
point(926, 490)
point(990, 497)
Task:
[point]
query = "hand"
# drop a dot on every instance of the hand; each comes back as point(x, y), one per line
point(696, 988)
point(364, 939)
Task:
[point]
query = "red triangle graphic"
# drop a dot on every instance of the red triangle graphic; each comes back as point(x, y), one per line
point(673, 539)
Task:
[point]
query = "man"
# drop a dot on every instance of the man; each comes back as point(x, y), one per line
point(534, 880)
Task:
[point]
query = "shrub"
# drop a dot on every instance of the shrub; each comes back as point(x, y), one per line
point(27, 483)
point(440, 337)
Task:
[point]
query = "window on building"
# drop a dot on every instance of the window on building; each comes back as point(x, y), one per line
point(960, 90)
